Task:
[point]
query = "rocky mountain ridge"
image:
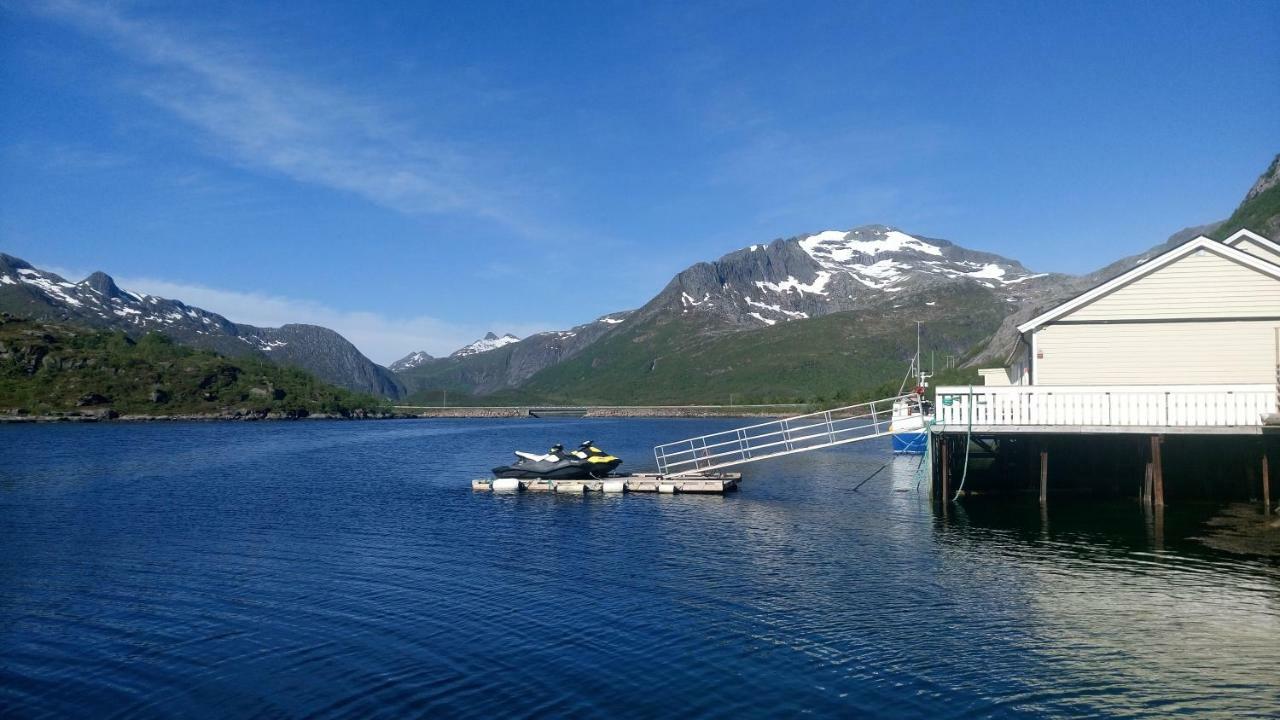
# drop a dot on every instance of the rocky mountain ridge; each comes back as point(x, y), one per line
point(833, 271)
point(410, 361)
point(507, 365)
point(96, 301)
point(489, 342)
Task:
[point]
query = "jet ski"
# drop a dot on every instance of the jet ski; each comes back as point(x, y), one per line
point(600, 462)
point(586, 463)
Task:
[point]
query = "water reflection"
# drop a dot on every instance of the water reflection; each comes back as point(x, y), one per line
point(348, 570)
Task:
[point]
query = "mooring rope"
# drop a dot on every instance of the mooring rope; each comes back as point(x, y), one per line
point(967, 437)
point(877, 472)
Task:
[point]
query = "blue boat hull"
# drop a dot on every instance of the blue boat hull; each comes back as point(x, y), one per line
point(910, 443)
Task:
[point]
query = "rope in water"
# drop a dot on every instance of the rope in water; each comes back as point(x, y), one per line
point(877, 472)
point(967, 436)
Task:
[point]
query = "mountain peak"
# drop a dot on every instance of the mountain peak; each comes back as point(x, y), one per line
point(489, 342)
point(9, 263)
point(410, 361)
point(103, 284)
point(834, 271)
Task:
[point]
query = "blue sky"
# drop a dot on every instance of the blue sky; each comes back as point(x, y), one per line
point(413, 175)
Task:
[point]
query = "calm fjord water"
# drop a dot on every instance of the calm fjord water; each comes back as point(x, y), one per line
point(334, 569)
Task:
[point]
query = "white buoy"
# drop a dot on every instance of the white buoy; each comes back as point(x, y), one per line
point(666, 488)
point(614, 486)
point(570, 487)
point(506, 485)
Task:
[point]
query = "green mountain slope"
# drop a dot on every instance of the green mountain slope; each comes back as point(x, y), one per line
point(49, 368)
point(672, 359)
point(1260, 210)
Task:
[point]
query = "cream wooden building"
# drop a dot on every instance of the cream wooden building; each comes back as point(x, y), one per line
point(1190, 338)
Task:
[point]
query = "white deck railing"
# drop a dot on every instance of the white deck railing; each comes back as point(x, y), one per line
point(1107, 405)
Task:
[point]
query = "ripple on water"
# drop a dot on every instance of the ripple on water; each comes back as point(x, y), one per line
point(346, 570)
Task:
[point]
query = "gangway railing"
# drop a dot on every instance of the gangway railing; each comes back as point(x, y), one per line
point(801, 433)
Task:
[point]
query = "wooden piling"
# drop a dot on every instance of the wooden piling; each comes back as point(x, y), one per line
point(1266, 483)
point(1157, 473)
point(1146, 485)
point(1044, 477)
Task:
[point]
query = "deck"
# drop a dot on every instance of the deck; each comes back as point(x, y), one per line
point(1106, 409)
point(639, 482)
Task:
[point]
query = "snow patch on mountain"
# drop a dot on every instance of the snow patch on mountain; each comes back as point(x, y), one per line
point(485, 344)
point(856, 253)
point(793, 314)
point(140, 310)
point(412, 360)
point(817, 287)
point(689, 302)
point(835, 248)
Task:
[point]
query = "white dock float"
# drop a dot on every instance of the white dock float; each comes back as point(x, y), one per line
point(640, 482)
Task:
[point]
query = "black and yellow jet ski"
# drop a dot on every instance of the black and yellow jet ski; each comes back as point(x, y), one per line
point(585, 463)
point(600, 462)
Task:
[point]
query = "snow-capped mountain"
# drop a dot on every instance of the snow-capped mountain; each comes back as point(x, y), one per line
point(97, 301)
point(410, 361)
point(868, 268)
point(510, 363)
point(834, 271)
point(485, 344)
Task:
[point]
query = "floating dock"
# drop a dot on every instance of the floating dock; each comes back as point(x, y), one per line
point(639, 482)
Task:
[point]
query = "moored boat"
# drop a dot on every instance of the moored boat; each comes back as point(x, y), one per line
point(912, 413)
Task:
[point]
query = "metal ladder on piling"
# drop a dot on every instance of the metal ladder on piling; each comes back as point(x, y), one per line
point(802, 433)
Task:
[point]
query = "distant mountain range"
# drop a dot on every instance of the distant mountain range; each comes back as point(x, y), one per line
point(97, 301)
point(802, 317)
point(819, 315)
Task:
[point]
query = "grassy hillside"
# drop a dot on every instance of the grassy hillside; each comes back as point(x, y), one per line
point(57, 368)
point(843, 356)
point(1260, 213)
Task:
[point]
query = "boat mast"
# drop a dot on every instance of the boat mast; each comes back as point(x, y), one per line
point(922, 377)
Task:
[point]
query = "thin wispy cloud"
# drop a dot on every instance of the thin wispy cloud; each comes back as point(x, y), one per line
point(66, 157)
point(265, 118)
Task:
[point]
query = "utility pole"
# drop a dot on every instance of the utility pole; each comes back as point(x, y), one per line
point(444, 400)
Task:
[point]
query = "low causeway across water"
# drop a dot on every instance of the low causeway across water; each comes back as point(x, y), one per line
point(603, 411)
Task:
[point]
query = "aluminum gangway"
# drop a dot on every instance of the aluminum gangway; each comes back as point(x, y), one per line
point(802, 433)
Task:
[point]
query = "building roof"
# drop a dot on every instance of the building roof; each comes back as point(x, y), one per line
point(1201, 243)
point(1241, 235)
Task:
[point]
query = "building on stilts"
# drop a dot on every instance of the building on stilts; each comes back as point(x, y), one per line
point(1162, 383)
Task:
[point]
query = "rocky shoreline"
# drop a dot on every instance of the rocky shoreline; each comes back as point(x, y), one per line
point(109, 415)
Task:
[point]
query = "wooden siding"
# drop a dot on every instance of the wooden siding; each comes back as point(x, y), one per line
point(1257, 250)
point(1201, 285)
point(1157, 353)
